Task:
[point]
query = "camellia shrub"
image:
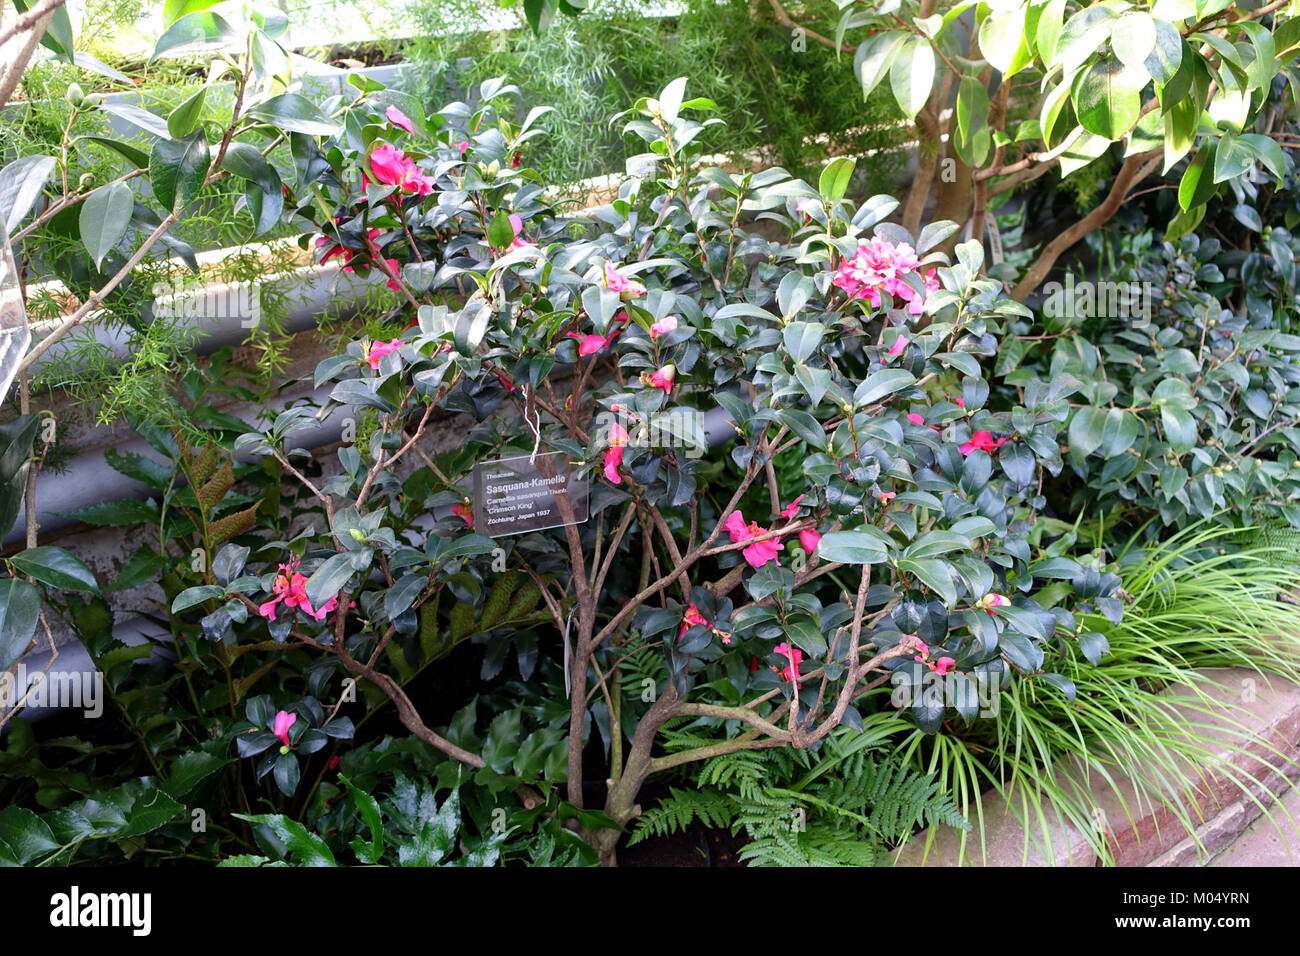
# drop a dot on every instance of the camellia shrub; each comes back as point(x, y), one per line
point(869, 516)
point(1190, 408)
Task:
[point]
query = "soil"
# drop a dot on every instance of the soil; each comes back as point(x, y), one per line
point(695, 847)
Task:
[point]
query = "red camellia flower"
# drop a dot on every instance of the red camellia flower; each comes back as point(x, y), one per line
point(692, 618)
point(465, 512)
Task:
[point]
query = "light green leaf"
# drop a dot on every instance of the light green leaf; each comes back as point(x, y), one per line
point(103, 219)
point(182, 120)
point(1107, 99)
point(835, 177)
point(864, 545)
point(1134, 39)
point(200, 30)
point(874, 57)
point(911, 75)
point(294, 113)
point(20, 183)
point(1002, 39)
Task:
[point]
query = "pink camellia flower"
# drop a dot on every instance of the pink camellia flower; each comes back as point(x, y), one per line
point(921, 646)
point(809, 538)
point(887, 496)
point(758, 553)
point(663, 378)
point(618, 439)
point(982, 441)
point(942, 665)
point(465, 512)
point(795, 657)
point(517, 161)
point(792, 508)
point(399, 119)
point(899, 345)
point(378, 350)
point(960, 403)
point(932, 284)
point(591, 344)
point(991, 600)
point(463, 146)
point(291, 587)
point(665, 325)
point(617, 282)
point(519, 242)
point(876, 266)
point(915, 419)
point(283, 721)
point(393, 168)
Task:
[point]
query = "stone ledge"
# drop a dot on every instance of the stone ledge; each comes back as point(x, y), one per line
point(1252, 726)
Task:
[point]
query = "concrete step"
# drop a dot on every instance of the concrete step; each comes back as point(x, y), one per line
point(1248, 732)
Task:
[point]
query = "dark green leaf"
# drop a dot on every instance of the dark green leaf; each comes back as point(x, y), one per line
point(55, 567)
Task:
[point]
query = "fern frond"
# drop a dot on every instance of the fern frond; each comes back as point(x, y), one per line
point(682, 808)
